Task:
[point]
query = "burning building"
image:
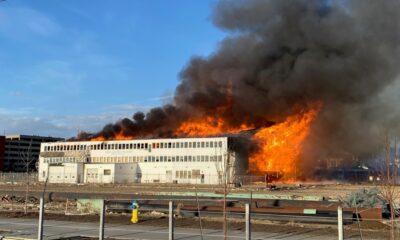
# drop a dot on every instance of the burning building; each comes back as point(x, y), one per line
point(310, 78)
point(179, 160)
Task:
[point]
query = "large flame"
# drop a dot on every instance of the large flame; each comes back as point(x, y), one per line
point(281, 145)
point(119, 136)
point(208, 126)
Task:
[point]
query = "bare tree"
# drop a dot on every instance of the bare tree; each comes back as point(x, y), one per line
point(389, 172)
point(27, 158)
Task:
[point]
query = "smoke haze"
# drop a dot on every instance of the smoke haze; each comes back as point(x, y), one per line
point(281, 56)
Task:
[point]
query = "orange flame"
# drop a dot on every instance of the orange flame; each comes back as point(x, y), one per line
point(119, 136)
point(208, 127)
point(281, 145)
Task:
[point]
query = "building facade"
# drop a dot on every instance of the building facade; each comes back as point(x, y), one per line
point(22, 151)
point(181, 160)
point(2, 151)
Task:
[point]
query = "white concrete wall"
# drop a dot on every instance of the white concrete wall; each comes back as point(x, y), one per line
point(65, 173)
point(94, 173)
point(110, 173)
point(175, 162)
point(126, 172)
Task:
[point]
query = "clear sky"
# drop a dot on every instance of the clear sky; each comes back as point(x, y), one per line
point(76, 65)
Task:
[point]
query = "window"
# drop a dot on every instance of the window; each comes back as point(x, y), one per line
point(198, 144)
point(186, 144)
point(220, 143)
point(202, 144)
point(211, 144)
point(107, 171)
point(194, 144)
point(207, 144)
point(190, 144)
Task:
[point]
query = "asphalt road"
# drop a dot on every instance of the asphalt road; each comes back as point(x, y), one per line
point(27, 228)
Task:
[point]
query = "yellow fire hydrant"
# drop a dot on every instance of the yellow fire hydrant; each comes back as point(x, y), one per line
point(135, 211)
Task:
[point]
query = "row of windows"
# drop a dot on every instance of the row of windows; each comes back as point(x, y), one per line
point(193, 174)
point(202, 158)
point(122, 146)
point(63, 160)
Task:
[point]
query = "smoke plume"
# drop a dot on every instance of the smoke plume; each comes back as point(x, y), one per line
point(281, 56)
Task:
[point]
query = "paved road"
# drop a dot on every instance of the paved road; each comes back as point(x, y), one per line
point(27, 228)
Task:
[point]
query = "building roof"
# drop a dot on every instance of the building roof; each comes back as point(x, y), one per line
point(18, 136)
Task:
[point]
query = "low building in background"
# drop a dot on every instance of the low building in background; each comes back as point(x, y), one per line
point(22, 151)
point(180, 160)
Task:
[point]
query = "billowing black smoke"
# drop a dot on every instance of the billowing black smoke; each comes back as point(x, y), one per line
point(284, 53)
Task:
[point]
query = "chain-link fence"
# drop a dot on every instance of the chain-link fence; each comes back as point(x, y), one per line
point(18, 177)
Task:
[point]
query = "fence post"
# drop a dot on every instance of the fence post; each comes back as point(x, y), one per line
point(102, 213)
point(171, 221)
point(40, 225)
point(248, 223)
point(340, 223)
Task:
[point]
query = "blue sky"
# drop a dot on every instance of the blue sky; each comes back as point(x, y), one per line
point(76, 65)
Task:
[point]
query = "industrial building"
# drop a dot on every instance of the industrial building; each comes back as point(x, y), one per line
point(2, 151)
point(178, 160)
point(17, 152)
